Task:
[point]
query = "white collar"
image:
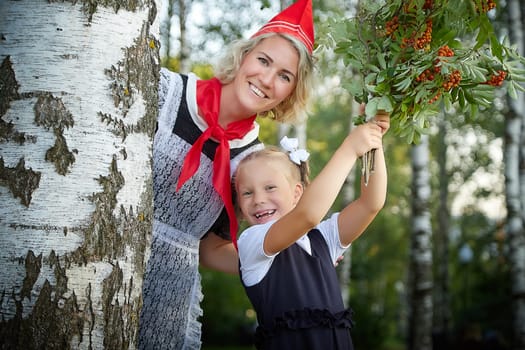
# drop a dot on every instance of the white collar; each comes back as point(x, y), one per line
point(191, 98)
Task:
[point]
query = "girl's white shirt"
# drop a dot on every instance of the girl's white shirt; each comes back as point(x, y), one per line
point(255, 263)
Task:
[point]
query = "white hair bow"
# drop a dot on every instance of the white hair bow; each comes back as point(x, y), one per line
point(296, 155)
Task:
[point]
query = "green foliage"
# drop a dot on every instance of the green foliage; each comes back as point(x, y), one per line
point(268, 131)
point(411, 55)
point(327, 127)
point(380, 260)
point(488, 270)
point(228, 316)
point(202, 70)
point(171, 63)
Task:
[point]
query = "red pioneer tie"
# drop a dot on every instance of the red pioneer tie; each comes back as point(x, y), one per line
point(208, 100)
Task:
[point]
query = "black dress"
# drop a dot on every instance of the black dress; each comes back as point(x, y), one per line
point(299, 303)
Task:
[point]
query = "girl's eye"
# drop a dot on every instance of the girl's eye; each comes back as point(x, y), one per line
point(270, 187)
point(246, 193)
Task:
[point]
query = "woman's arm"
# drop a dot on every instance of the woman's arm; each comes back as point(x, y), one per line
point(218, 254)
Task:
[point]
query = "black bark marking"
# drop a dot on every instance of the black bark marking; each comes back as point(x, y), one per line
point(33, 265)
point(21, 182)
point(51, 113)
point(8, 93)
point(131, 76)
point(60, 155)
point(8, 85)
point(114, 320)
point(54, 320)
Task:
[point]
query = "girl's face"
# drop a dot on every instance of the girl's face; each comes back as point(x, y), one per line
point(264, 192)
point(267, 75)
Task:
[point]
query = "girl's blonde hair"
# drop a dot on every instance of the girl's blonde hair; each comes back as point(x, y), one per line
point(300, 173)
point(294, 105)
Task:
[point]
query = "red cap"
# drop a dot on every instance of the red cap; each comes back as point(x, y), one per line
point(296, 20)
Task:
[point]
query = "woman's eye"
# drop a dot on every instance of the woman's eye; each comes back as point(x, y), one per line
point(285, 77)
point(263, 60)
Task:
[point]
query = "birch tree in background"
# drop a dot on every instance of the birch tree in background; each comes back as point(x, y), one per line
point(514, 155)
point(345, 270)
point(442, 307)
point(173, 17)
point(78, 101)
point(183, 7)
point(166, 13)
point(420, 268)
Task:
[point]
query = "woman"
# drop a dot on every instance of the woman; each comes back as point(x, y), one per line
point(204, 129)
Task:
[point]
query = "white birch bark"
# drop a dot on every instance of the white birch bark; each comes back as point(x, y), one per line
point(514, 155)
point(420, 269)
point(345, 266)
point(78, 99)
point(442, 309)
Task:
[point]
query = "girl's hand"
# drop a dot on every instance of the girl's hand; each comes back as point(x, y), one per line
point(382, 119)
point(365, 137)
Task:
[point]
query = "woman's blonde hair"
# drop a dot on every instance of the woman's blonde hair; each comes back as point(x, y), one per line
point(294, 105)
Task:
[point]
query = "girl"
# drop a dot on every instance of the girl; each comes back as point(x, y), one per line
point(204, 129)
point(287, 255)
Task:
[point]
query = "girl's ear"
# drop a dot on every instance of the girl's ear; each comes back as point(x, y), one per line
point(298, 192)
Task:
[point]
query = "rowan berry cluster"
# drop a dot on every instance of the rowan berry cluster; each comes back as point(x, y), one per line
point(421, 42)
point(452, 80)
point(497, 79)
point(445, 51)
point(391, 26)
point(487, 5)
point(407, 14)
point(435, 98)
point(426, 37)
point(429, 74)
point(428, 5)
point(426, 75)
point(411, 55)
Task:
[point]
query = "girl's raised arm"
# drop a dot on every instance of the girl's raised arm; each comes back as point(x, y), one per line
point(320, 195)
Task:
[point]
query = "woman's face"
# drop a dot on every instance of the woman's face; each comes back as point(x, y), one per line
point(267, 75)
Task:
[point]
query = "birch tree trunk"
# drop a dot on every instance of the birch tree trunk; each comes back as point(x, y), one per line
point(78, 104)
point(442, 312)
point(420, 268)
point(184, 54)
point(514, 155)
point(166, 13)
point(345, 268)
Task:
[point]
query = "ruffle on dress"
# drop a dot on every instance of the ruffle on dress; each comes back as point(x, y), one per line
point(303, 319)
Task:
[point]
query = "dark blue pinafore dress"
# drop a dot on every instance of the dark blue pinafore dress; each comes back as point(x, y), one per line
point(299, 303)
